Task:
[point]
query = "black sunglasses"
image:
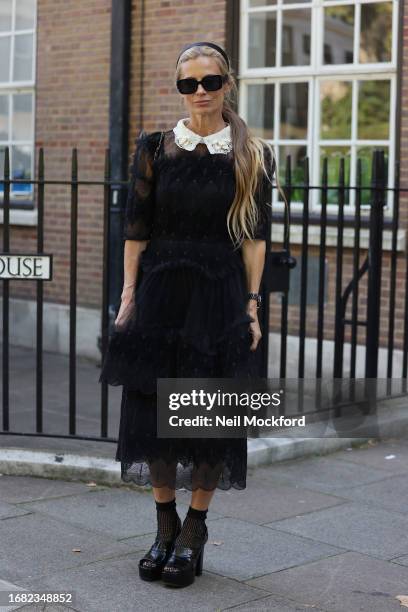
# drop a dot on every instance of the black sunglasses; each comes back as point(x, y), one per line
point(211, 82)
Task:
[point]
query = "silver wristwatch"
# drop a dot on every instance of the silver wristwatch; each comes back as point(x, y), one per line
point(255, 296)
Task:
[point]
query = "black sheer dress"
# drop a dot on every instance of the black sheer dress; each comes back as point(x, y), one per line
point(188, 314)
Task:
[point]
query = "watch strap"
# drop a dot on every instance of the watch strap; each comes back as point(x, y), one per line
point(255, 296)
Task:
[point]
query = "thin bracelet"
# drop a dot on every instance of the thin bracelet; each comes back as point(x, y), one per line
point(129, 285)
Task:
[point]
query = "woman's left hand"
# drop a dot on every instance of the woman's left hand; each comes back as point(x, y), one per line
point(254, 328)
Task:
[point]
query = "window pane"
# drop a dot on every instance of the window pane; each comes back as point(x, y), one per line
point(261, 2)
point(5, 15)
point(376, 30)
point(334, 154)
point(4, 108)
point(294, 1)
point(25, 13)
point(297, 155)
point(294, 110)
point(373, 109)
point(5, 59)
point(22, 117)
point(23, 57)
point(335, 111)
point(260, 110)
point(295, 25)
point(366, 156)
point(262, 40)
point(21, 168)
point(338, 35)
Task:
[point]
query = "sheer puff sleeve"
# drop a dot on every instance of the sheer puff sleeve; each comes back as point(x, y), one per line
point(263, 199)
point(139, 211)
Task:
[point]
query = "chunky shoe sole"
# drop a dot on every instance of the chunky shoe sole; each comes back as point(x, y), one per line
point(150, 573)
point(183, 578)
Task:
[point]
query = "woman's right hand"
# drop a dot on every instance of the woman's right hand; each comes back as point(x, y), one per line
point(125, 305)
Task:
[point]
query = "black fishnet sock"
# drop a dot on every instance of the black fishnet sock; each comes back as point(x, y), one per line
point(167, 523)
point(167, 519)
point(194, 528)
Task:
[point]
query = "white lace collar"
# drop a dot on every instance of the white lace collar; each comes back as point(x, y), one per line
point(219, 142)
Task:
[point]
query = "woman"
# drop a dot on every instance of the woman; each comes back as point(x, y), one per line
point(196, 222)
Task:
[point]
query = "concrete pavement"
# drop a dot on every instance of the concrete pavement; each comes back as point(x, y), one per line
point(323, 533)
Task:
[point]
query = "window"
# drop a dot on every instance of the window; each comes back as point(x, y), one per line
point(17, 76)
point(318, 78)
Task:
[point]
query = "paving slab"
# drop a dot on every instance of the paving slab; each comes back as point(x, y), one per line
point(390, 494)
point(46, 608)
point(34, 544)
point(390, 455)
point(9, 510)
point(31, 488)
point(119, 513)
point(275, 604)
point(353, 526)
point(230, 540)
point(401, 560)
point(10, 587)
point(263, 501)
point(116, 583)
point(346, 582)
point(323, 474)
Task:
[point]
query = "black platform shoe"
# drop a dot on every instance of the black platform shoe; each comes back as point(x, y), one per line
point(184, 564)
point(157, 556)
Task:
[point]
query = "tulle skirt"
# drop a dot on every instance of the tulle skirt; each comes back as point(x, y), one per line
point(187, 319)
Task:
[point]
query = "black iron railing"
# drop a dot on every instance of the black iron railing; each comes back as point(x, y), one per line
point(276, 279)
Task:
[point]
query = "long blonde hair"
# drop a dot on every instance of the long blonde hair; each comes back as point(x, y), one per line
point(249, 155)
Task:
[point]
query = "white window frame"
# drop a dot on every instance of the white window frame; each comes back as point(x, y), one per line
point(17, 87)
point(314, 74)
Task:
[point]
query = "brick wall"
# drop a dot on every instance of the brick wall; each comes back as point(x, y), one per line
point(72, 106)
point(168, 25)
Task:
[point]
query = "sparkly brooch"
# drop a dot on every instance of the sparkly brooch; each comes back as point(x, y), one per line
point(184, 140)
point(222, 146)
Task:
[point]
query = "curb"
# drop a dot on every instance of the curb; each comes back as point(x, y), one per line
point(63, 466)
point(264, 451)
point(67, 466)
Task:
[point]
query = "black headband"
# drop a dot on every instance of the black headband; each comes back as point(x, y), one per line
point(205, 44)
